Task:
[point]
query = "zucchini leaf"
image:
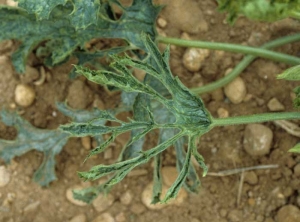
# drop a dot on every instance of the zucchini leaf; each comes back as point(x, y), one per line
point(50, 142)
point(65, 28)
point(261, 10)
point(184, 115)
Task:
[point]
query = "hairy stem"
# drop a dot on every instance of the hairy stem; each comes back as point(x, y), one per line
point(257, 118)
point(243, 64)
point(260, 52)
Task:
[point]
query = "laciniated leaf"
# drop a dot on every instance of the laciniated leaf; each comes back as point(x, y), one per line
point(295, 149)
point(184, 115)
point(292, 73)
point(42, 9)
point(50, 142)
point(157, 180)
point(63, 38)
point(261, 10)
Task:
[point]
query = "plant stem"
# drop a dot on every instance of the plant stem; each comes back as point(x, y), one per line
point(261, 52)
point(257, 118)
point(243, 64)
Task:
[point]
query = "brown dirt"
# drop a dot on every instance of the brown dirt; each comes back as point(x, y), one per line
point(222, 148)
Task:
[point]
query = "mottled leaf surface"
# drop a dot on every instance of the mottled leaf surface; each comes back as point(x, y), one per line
point(67, 28)
point(292, 74)
point(177, 114)
point(50, 142)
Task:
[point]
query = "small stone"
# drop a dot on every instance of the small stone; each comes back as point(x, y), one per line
point(98, 103)
point(139, 74)
point(235, 215)
point(86, 142)
point(126, 198)
point(297, 170)
point(275, 105)
point(236, 90)
point(24, 95)
point(103, 202)
point(79, 95)
point(193, 58)
point(169, 175)
point(288, 213)
point(257, 139)
point(251, 178)
point(69, 195)
point(222, 113)
point(223, 212)
point(32, 207)
point(79, 218)
point(121, 217)
point(4, 176)
point(106, 217)
point(11, 3)
point(162, 23)
point(147, 197)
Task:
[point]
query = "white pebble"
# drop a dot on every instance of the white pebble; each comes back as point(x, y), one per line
point(222, 113)
point(106, 217)
point(69, 195)
point(162, 22)
point(4, 176)
point(257, 139)
point(193, 58)
point(126, 198)
point(103, 202)
point(236, 90)
point(147, 197)
point(24, 95)
point(275, 105)
point(79, 218)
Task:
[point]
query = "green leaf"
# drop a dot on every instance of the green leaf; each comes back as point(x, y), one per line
point(157, 180)
point(65, 28)
point(295, 149)
point(42, 9)
point(292, 73)
point(50, 142)
point(261, 10)
point(85, 13)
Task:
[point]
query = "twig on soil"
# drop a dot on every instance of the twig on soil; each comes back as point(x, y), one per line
point(240, 188)
point(241, 170)
point(288, 126)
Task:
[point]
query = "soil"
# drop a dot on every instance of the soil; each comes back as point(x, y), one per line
point(23, 200)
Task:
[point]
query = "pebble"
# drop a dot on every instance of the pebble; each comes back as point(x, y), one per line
point(288, 213)
point(108, 154)
point(251, 178)
point(79, 218)
point(86, 142)
point(236, 90)
point(297, 170)
point(222, 113)
point(31, 74)
point(32, 207)
point(162, 23)
point(275, 105)
point(169, 175)
point(69, 195)
point(147, 197)
point(106, 217)
point(11, 3)
point(193, 58)
point(79, 95)
point(24, 95)
point(4, 176)
point(137, 173)
point(257, 139)
point(126, 198)
point(137, 208)
point(103, 202)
